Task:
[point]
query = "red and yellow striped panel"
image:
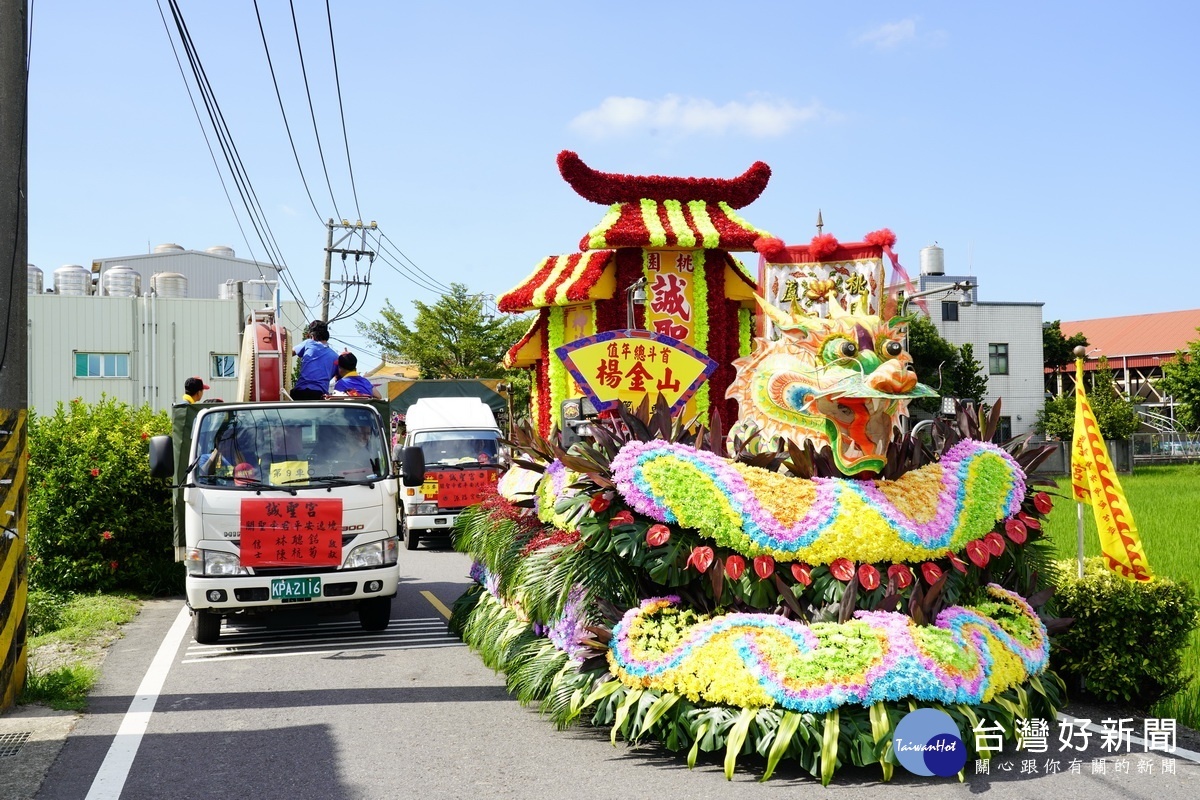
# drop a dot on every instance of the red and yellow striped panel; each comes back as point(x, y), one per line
point(672, 223)
point(564, 280)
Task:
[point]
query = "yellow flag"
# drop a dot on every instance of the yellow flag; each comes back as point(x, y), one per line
point(1095, 482)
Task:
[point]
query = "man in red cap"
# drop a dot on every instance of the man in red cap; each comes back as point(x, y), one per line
point(193, 390)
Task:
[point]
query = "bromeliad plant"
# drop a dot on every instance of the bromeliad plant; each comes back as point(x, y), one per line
point(653, 581)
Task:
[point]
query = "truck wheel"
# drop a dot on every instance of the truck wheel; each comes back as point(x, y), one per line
point(375, 614)
point(411, 539)
point(206, 626)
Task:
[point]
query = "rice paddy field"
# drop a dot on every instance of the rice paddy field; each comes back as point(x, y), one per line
point(1166, 510)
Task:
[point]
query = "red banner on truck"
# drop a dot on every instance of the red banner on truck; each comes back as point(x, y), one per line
point(459, 488)
point(284, 533)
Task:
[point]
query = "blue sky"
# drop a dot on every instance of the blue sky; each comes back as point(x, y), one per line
point(1049, 148)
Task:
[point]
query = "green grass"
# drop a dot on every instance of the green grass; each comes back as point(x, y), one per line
point(1167, 516)
point(67, 642)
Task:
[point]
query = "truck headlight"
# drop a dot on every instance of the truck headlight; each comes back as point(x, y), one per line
point(375, 554)
point(213, 562)
point(426, 508)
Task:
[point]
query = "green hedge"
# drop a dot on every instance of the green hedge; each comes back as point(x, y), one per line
point(97, 521)
point(1129, 637)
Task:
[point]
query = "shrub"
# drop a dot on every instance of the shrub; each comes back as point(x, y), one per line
point(1129, 637)
point(97, 521)
point(45, 611)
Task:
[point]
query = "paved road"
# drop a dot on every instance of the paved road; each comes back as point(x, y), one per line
point(331, 713)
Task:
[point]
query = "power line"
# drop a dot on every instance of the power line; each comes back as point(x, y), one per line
point(403, 272)
point(412, 263)
point(286, 126)
point(341, 111)
point(415, 274)
point(312, 111)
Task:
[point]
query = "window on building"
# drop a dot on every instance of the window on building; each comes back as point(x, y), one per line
point(1003, 430)
point(224, 365)
point(949, 311)
point(101, 365)
point(997, 359)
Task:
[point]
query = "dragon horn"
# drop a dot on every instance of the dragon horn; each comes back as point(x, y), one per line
point(782, 321)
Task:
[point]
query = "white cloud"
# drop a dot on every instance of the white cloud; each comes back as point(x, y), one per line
point(890, 35)
point(757, 118)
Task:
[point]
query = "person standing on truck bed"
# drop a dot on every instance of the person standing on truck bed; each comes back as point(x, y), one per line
point(349, 381)
point(193, 390)
point(318, 363)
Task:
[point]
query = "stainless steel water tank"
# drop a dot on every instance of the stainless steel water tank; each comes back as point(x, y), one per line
point(220, 250)
point(121, 281)
point(933, 260)
point(169, 247)
point(36, 279)
point(169, 284)
point(73, 280)
point(250, 291)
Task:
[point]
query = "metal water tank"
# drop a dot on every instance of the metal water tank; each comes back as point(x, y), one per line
point(251, 291)
point(121, 281)
point(169, 284)
point(169, 247)
point(73, 280)
point(933, 260)
point(36, 279)
point(220, 250)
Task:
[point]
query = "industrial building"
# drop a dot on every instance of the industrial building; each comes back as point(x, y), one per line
point(135, 327)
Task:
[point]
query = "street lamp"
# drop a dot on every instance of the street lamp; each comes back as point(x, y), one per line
point(962, 287)
point(635, 294)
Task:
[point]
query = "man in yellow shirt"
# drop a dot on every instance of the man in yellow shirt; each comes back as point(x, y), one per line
point(193, 390)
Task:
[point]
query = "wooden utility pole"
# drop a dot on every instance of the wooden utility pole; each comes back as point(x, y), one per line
point(14, 569)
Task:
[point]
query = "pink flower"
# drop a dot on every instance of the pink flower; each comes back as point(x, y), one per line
point(106, 535)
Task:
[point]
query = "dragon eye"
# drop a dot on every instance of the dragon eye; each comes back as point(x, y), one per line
point(893, 348)
point(849, 349)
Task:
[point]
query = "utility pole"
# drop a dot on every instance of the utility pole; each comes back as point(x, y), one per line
point(352, 229)
point(14, 393)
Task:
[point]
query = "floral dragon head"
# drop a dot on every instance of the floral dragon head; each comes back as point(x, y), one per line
point(842, 381)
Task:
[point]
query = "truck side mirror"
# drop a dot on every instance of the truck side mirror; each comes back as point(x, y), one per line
point(162, 457)
point(413, 473)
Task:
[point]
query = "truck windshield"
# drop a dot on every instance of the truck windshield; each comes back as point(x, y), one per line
point(293, 447)
point(458, 447)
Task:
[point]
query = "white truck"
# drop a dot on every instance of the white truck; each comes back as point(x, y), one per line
point(279, 504)
point(451, 455)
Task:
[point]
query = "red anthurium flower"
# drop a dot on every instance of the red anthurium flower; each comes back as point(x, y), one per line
point(764, 566)
point(701, 558)
point(735, 565)
point(1042, 502)
point(95, 473)
point(931, 572)
point(994, 543)
point(977, 551)
point(1015, 530)
point(802, 573)
point(902, 575)
point(658, 535)
point(868, 576)
point(622, 517)
point(842, 569)
point(600, 503)
point(957, 562)
point(1030, 522)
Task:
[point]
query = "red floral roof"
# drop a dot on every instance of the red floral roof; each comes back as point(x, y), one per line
point(562, 281)
point(608, 187)
point(672, 223)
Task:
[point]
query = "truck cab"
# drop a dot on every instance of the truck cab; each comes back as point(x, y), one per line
point(279, 504)
point(452, 455)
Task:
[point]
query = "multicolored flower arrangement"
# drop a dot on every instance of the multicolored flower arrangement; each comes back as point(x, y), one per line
point(758, 660)
point(923, 514)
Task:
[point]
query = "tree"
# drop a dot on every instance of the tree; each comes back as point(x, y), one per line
point(934, 359)
point(968, 378)
point(1057, 350)
point(1115, 415)
point(1181, 380)
point(452, 339)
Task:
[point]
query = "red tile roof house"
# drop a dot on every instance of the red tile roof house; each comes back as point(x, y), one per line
point(1136, 348)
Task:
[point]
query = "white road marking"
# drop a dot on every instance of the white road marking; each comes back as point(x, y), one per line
point(110, 779)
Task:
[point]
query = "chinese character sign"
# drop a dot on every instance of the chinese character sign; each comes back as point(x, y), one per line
point(670, 306)
point(628, 366)
point(291, 532)
point(809, 288)
point(458, 488)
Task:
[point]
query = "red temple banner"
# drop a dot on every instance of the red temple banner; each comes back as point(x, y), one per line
point(284, 533)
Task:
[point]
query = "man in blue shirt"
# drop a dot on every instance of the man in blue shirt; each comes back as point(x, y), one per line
point(349, 381)
point(318, 363)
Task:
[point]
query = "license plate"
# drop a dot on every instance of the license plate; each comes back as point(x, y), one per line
point(295, 588)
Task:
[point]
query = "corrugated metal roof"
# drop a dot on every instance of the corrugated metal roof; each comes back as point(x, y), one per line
point(1137, 335)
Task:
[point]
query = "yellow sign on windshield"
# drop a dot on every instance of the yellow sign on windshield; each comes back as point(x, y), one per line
point(284, 471)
